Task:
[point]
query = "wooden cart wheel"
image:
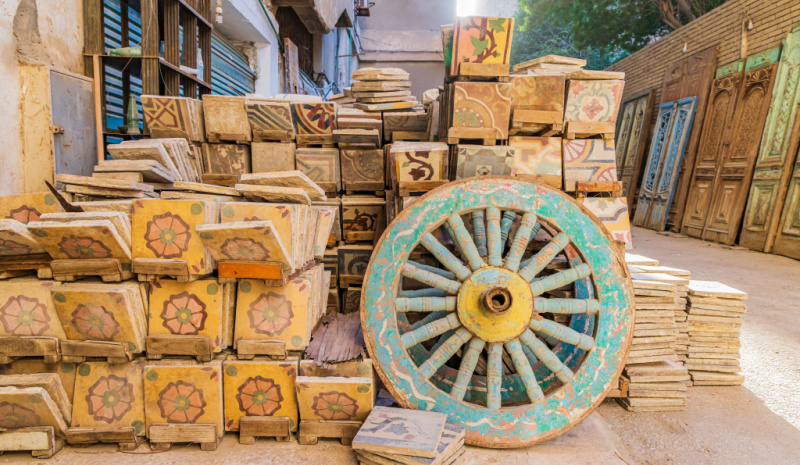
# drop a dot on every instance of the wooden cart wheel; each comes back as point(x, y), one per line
point(517, 344)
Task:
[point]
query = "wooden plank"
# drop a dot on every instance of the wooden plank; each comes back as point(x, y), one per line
point(102, 183)
point(29, 346)
point(247, 349)
point(163, 435)
point(483, 69)
point(40, 440)
point(251, 427)
point(194, 345)
point(227, 269)
point(312, 430)
point(124, 436)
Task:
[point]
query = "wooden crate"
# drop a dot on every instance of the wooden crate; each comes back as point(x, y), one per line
point(478, 160)
point(362, 170)
point(260, 389)
point(591, 107)
point(226, 119)
point(538, 159)
point(270, 120)
point(363, 218)
point(588, 160)
point(321, 165)
point(30, 324)
point(537, 104)
point(469, 31)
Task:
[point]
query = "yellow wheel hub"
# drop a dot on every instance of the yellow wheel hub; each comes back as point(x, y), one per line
point(495, 304)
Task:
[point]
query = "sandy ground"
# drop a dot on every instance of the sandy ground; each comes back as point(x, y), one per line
point(754, 423)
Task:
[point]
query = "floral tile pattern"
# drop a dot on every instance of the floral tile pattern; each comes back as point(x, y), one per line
point(193, 308)
point(26, 309)
point(109, 395)
point(259, 388)
point(334, 398)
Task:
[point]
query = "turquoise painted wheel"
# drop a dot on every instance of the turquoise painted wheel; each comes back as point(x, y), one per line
point(519, 320)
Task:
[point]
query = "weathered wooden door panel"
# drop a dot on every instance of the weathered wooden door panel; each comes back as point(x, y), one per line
point(630, 166)
point(776, 155)
point(660, 140)
point(671, 164)
point(691, 77)
point(787, 241)
point(736, 170)
point(623, 132)
point(715, 139)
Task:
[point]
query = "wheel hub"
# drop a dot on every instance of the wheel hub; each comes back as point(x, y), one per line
point(495, 304)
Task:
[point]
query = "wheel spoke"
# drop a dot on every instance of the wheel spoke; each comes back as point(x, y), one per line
point(494, 378)
point(562, 333)
point(465, 242)
point(429, 292)
point(520, 243)
point(543, 353)
point(425, 304)
point(452, 235)
point(566, 306)
point(445, 257)
point(430, 330)
point(536, 264)
point(479, 230)
point(531, 358)
point(429, 318)
point(468, 361)
point(536, 228)
point(560, 279)
point(493, 241)
point(434, 270)
point(442, 338)
point(444, 352)
point(505, 225)
point(431, 279)
point(524, 370)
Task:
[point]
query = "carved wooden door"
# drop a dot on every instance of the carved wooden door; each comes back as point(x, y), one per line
point(715, 138)
point(623, 132)
point(690, 77)
point(630, 156)
point(777, 153)
point(787, 239)
point(671, 164)
point(657, 148)
point(739, 158)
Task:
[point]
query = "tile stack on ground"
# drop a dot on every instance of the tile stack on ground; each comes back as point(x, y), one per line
point(715, 320)
point(378, 89)
point(410, 437)
point(652, 373)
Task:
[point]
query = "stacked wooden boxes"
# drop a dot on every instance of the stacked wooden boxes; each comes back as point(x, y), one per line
point(226, 155)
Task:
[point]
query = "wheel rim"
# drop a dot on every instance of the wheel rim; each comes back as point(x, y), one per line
point(443, 347)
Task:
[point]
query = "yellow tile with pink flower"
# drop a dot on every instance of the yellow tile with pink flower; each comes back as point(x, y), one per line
point(25, 366)
point(92, 311)
point(27, 309)
point(110, 396)
point(79, 240)
point(334, 398)
point(31, 406)
point(281, 313)
point(28, 207)
point(188, 309)
point(165, 229)
point(259, 387)
point(183, 392)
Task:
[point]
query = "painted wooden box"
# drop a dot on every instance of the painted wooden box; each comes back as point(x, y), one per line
point(613, 213)
point(482, 105)
point(483, 160)
point(353, 261)
point(325, 222)
point(27, 309)
point(419, 161)
point(538, 92)
point(588, 160)
point(110, 396)
point(536, 157)
point(246, 241)
point(362, 217)
point(183, 392)
point(102, 312)
point(404, 122)
point(481, 40)
point(81, 240)
point(269, 120)
point(260, 387)
point(196, 308)
point(593, 100)
point(225, 118)
point(226, 158)
point(267, 157)
point(314, 118)
point(352, 369)
point(30, 406)
point(362, 170)
point(15, 239)
point(173, 117)
point(165, 229)
point(335, 398)
point(66, 371)
point(321, 165)
point(289, 221)
point(276, 313)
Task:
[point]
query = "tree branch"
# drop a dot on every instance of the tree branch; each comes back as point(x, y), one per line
point(667, 11)
point(686, 9)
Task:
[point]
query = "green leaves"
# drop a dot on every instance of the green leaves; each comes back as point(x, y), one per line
point(480, 45)
point(498, 24)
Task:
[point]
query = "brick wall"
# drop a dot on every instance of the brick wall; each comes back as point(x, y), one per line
point(772, 20)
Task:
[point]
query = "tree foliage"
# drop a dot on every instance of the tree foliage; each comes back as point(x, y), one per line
point(600, 31)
